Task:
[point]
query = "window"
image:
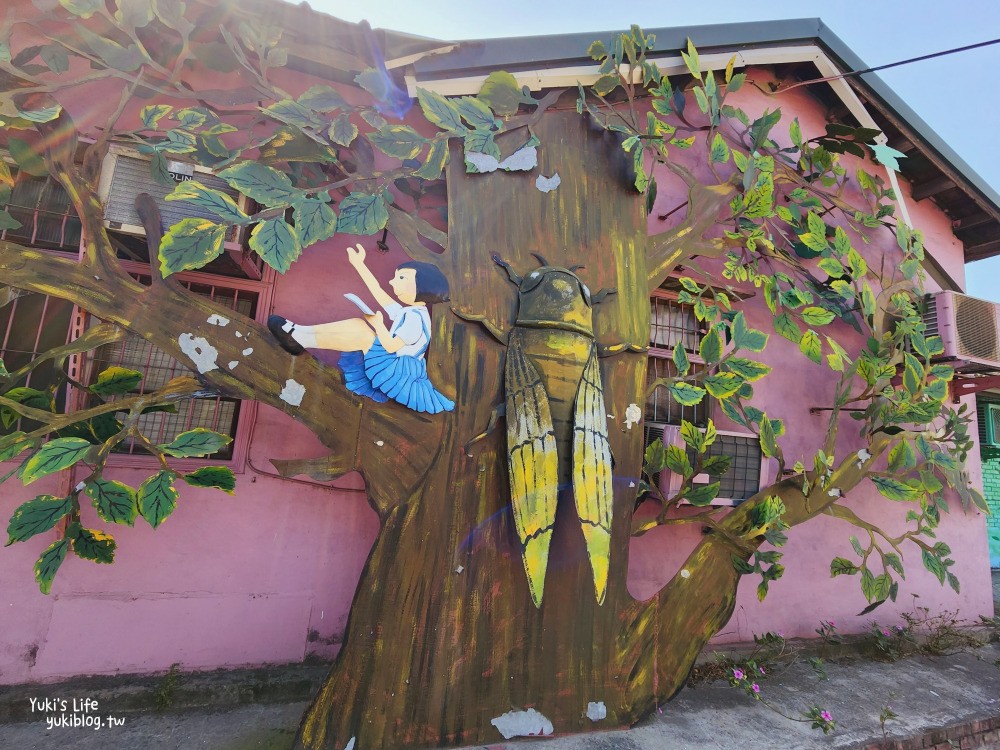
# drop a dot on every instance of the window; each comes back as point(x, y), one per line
point(991, 415)
point(674, 324)
point(43, 208)
point(34, 323)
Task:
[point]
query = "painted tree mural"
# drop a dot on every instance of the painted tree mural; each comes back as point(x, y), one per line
point(454, 624)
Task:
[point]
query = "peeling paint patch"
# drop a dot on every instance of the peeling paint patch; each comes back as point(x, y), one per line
point(835, 492)
point(218, 320)
point(239, 335)
point(863, 455)
point(522, 160)
point(232, 365)
point(350, 745)
point(484, 163)
point(633, 415)
point(379, 443)
point(631, 484)
point(247, 352)
point(459, 569)
point(528, 723)
point(293, 392)
point(202, 353)
point(548, 184)
point(81, 486)
point(597, 711)
point(685, 573)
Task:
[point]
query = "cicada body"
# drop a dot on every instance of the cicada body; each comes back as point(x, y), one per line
point(557, 432)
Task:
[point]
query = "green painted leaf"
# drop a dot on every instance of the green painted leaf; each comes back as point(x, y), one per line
point(292, 113)
point(897, 489)
point(902, 457)
point(55, 57)
point(152, 113)
point(30, 397)
point(501, 93)
point(37, 516)
point(481, 142)
point(678, 462)
point(748, 369)
point(376, 83)
point(54, 456)
point(157, 497)
point(437, 159)
point(654, 457)
point(27, 159)
point(787, 328)
point(14, 444)
point(262, 183)
point(475, 112)
point(277, 243)
point(343, 131)
point(768, 441)
point(361, 213)
point(703, 495)
point(723, 384)
point(934, 565)
point(314, 221)
point(711, 346)
point(91, 544)
point(440, 111)
point(323, 99)
point(116, 380)
point(817, 316)
point(7, 221)
point(913, 374)
point(178, 142)
point(858, 549)
point(135, 14)
point(48, 564)
point(190, 118)
point(745, 337)
point(893, 561)
point(686, 394)
point(399, 141)
point(812, 346)
point(219, 477)
point(841, 566)
point(215, 201)
point(115, 502)
point(681, 361)
point(195, 443)
point(693, 437)
point(191, 243)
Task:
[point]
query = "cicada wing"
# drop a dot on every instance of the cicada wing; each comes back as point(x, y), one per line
point(533, 463)
point(592, 487)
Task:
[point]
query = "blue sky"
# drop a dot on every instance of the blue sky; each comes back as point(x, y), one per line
point(956, 95)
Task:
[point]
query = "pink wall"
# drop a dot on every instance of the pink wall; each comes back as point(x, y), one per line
point(268, 575)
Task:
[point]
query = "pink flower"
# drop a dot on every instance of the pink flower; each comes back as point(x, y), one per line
point(825, 716)
point(762, 670)
point(886, 633)
point(755, 687)
point(738, 674)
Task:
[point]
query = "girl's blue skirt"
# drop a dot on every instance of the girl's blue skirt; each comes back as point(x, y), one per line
point(381, 376)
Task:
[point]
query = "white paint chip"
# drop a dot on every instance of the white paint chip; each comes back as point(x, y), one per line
point(685, 573)
point(218, 320)
point(528, 723)
point(633, 415)
point(350, 745)
point(81, 486)
point(863, 455)
point(202, 353)
point(232, 365)
point(835, 492)
point(548, 184)
point(597, 711)
point(631, 484)
point(484, 163)
point(459, 569)
point(522, 160)
point(293, 392)
point(379, 443)
point(239, 335)
point(247, 352)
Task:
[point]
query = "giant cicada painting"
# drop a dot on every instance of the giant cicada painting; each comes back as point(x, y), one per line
point(557, 431)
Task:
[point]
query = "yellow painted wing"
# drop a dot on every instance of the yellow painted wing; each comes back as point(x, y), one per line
point(592, 472)
point(533, 463)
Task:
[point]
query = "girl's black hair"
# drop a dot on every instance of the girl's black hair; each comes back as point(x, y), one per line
point(432, 286)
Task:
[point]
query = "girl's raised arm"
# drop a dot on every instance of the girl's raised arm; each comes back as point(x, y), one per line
point(357, 259)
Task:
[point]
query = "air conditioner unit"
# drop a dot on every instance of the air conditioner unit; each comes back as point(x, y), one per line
point(969, 328)
point(126, 173)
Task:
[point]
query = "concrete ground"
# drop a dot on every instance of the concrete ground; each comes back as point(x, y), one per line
point(924, 693)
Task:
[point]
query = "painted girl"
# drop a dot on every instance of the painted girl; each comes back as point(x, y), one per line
point(378, 362)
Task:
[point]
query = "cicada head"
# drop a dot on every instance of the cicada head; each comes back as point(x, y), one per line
point(554, 297)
